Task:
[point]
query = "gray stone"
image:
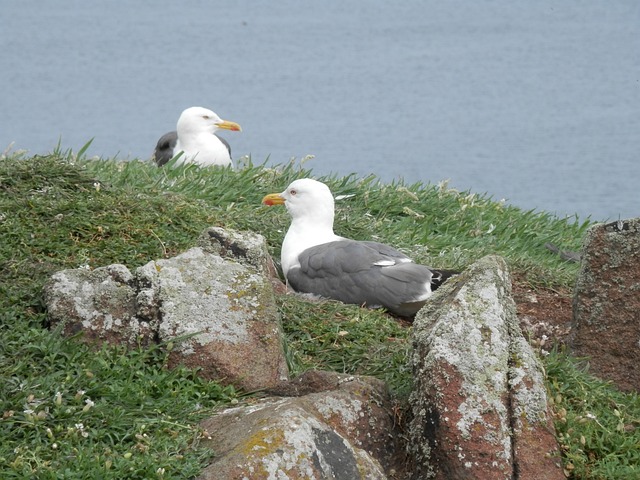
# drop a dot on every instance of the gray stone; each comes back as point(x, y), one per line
point(227, 315)
point(606, 303)
point(344, 433)
point(479, 400)
point(100, 303)
point(248, 248)
point(219, 314)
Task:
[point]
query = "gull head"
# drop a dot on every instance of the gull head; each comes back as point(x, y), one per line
point(196, 120)
point(305, 199)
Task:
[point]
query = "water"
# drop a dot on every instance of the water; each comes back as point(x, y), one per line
point(535, 102)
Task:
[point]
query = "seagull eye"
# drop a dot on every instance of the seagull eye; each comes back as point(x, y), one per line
point(206, 117)
point(293, 191)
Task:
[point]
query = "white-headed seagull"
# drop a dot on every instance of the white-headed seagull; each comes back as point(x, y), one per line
point(317, 261)
point(196, 140)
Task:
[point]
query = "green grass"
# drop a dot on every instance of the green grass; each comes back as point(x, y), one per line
point(598, 427)
point(73, 413)
point(346, 339)
point(140, 421)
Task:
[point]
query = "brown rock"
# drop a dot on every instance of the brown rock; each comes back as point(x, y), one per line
point(606, 303)
point(225, 314)
point(219, 313)
point(344, 433)
point(479, 401)
point(535, 448)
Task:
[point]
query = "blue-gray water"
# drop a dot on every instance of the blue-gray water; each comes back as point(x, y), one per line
point(535, 102)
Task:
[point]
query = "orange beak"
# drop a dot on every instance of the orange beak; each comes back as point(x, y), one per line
point(226, 125)
point(273, 199)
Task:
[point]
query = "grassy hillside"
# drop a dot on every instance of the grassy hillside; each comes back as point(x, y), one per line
point(67, 412)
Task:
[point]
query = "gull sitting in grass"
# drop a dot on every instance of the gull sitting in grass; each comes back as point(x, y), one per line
point(196, 140)
point(315, 260)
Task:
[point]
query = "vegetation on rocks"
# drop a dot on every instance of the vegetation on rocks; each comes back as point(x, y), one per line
point(69, 412)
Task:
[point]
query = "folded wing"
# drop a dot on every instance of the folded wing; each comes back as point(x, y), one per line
point(363, 273)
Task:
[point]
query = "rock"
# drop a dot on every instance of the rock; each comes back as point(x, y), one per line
point(479, 400)
point(247, 248)
point(220, 313)
point(606, 303)
point(100, 303)
point(226, 314)
point(344, 433)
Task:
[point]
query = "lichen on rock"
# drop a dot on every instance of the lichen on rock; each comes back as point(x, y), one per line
point(314, 436)
point(479, 398)
point(219, 314)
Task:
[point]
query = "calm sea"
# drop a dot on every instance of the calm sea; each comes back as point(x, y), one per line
point(535, 102)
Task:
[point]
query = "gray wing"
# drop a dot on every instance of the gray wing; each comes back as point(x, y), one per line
point(439, 276)
point(164, 148)
point(362, 273)
point(225, 143)
point(387, 251)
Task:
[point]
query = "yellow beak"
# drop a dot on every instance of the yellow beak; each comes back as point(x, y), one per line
point(273, 199)
point(226, 125)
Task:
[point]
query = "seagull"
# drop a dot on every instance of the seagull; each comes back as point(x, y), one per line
point(317, 261)
point(196, 139)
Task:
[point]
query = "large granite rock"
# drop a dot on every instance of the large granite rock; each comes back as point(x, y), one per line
point(218, 312)
point(606, 303)
point(479, 400)
point(344, 432)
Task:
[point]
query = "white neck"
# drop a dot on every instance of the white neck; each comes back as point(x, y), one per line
point(203, 148)
point(302, 234)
